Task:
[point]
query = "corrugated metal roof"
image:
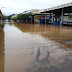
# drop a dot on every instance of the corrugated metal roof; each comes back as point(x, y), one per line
point(58, 7)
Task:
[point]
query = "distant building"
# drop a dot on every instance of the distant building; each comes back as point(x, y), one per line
point(32, 11)
point(0, 14)
point(14, 15)
point(37, 14)
point(39, 17)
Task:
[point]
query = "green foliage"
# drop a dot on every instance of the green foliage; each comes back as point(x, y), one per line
point(3, 18)
point(23, 17)
point(15, 18)
point(9, 17)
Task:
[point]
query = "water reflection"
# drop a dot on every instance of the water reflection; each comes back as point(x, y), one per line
point(58, 34)
point(37, 48)
point(1, 48)
point(53, 56)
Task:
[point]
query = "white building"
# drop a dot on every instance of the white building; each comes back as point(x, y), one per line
point(14, 16)
point(32, 11)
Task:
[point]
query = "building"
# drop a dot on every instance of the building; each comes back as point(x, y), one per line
point(39, 18)
point(61, 14)
point(0, 14)
point(32, 11)
point(14, 15)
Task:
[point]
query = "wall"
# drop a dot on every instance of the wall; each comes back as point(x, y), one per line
point(36, 20)
point(67, 18)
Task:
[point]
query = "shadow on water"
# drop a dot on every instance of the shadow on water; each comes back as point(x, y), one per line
point(43, 61)
point(42, 65)
point(38, 54)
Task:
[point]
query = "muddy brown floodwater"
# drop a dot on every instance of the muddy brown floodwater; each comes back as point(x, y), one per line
point(35, 48)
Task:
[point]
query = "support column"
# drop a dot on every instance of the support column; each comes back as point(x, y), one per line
point(40, 19)
point(61, 17)
point(52, 18)
point(45, 18)
point(31, 19)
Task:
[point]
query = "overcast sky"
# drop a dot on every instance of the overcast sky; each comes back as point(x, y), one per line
point(17, 6)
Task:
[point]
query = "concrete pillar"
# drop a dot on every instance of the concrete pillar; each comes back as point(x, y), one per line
point(62, 17)
point(45, 18)
point(39, 19)
point(52, 18)
point(31, 19)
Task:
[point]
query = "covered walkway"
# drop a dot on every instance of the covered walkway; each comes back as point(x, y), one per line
point(60, 14)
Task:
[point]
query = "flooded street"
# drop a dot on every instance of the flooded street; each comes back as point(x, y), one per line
point(35, 48)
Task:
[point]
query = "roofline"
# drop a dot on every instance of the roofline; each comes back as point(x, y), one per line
point(58, 7)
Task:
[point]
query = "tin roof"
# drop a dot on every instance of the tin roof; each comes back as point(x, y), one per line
point(59, 7)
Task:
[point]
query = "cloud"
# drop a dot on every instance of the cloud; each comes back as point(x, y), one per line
point(17, 6)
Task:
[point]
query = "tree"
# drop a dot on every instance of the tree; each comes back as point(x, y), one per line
point(9, 17)
point(3, 18)
point(24, 17)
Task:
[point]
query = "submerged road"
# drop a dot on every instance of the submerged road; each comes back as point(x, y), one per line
point(35, 48)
